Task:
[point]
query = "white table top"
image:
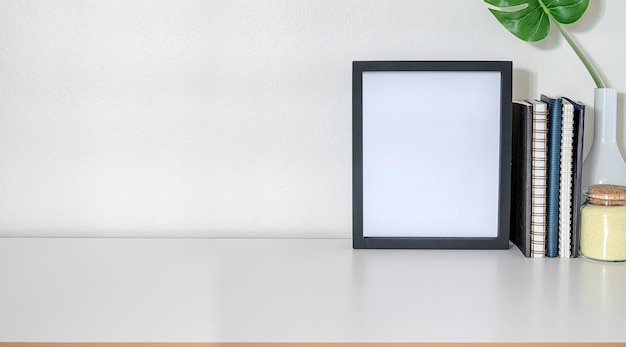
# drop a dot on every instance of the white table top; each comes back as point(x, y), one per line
point(244, 290)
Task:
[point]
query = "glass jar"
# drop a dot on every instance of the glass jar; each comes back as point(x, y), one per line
point(603, 223)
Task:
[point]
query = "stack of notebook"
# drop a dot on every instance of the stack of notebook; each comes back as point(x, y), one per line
point(546, 176)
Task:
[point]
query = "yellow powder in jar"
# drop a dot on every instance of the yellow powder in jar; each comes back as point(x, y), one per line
point(603, 232)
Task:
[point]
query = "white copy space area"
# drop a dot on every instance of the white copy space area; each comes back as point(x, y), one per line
point(203, 290)
point(431, 156)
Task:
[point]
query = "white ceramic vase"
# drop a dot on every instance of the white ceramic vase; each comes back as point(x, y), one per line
point(604, 163)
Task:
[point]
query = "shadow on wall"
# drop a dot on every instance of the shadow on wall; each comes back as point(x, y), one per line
point(524, 84)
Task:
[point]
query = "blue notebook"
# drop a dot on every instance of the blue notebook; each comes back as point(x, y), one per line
point(554, 161)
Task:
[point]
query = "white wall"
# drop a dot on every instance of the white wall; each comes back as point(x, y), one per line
point(228, 117)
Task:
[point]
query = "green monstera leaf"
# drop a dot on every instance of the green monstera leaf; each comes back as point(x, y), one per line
point(530, 21)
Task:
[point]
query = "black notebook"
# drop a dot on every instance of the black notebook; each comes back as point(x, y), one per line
point(520, 222)
point(579, 129)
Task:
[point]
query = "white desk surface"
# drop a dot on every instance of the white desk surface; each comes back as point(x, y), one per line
point(269, 290)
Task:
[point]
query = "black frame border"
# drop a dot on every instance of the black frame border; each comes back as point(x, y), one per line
point(502, 240)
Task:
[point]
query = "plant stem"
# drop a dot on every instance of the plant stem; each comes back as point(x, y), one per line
point(594, 74)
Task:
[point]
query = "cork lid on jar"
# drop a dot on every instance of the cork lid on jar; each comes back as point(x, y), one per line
point(606, 194)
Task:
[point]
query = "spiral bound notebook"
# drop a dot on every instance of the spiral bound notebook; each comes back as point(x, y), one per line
point(554, 161)
point(539, 166)
point(579, 130)
point(565, 185)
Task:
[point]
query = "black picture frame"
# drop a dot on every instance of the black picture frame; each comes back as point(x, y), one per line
point(431, 154)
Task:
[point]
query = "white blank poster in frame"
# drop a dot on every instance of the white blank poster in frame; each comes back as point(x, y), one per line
point(431, 154)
